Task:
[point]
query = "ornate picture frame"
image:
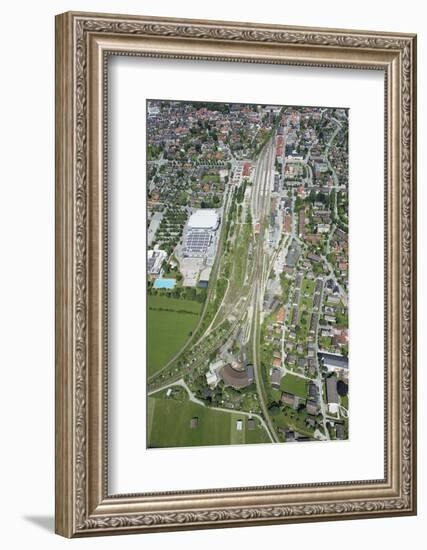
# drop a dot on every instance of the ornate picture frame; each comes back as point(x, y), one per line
point(83, 43)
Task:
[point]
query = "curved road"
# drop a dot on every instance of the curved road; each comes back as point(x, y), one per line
point(194, 399)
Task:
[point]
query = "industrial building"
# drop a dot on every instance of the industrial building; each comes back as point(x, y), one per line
point(204, 277)
point(204, 219)
point(199, 239)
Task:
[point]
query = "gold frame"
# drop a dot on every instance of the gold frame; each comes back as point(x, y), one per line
point(83, 42)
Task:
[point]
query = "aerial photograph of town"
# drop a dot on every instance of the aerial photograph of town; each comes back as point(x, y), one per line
point(247, 273)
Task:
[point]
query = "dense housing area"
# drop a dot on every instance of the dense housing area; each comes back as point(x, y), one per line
point(247, 273)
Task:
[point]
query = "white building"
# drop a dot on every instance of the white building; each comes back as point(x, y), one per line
point(155, 259)
point(153, 109)
point(204, 219)
point(333, 408)
point(323, 228)
point(212, 377)
point(200, 235)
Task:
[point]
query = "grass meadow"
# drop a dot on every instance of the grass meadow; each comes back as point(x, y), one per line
point(294, 384)
point(169, 425)
point(170, 322)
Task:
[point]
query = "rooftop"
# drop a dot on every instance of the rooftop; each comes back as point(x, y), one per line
point(237, 378)
point(331, 390)
point(331, 360)
point(203, 219)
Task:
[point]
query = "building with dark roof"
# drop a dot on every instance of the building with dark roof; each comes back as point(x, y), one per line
point(293, 254)
point(314, 257)
point(333, 362)
point(312, 407)
point(316, 300)
point(276, 375)
point(237, 378)
point(331, 390)
point(339, 430)
point(312, 390)
point(289, 399)
point(319, 285)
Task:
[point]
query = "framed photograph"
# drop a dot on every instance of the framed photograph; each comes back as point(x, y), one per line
point(235, 274)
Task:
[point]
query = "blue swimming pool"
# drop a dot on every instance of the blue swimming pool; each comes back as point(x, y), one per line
point(164, 283)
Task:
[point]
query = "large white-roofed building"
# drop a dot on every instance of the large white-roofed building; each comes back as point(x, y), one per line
point(204, 219)
point(200, 235)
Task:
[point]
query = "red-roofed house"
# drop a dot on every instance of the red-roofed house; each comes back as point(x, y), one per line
point(247, 169)
point(280, 317)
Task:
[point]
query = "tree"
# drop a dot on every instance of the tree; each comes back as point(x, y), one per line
point(312, 196)
point(332, 200)
point(299, 204)
point(274, 408)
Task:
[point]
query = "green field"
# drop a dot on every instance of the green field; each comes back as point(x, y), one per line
point(169, 425)
point(344, 401)
point(214, 178)
point(170, 322)
point(294, 384)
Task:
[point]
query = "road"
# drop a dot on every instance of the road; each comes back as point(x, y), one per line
point(318, 380)
point(194, 399)
point(234, 317)
point(242, 307)
point(243, 304)
point(214, 273)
